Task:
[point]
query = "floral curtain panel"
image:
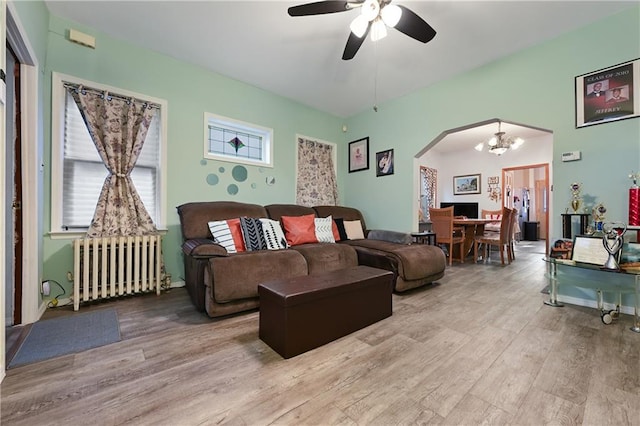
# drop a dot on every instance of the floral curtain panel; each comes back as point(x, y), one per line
point(428, 181)
point(316, 175)
point(118, 128)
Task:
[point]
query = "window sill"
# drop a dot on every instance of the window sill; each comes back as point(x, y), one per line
point(71, 235)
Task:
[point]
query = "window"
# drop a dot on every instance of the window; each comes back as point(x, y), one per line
point(78, 173)
point(232, 140)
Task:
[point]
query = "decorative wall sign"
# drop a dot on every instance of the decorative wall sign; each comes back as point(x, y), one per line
point(608, 94)
point(494, 191)
point(468, 184)
point(359, 155)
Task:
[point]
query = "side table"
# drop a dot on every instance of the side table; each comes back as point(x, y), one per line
point(567, 220)
point(426, 237)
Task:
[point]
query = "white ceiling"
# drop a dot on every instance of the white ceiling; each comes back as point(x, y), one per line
point(300, 58)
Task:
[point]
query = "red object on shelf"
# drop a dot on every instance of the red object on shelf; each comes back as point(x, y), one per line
point(634, 206)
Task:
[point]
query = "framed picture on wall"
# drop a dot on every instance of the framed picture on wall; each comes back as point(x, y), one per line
point(359, 155)
point(384, 163)
point(467, 184)
point(608, 94)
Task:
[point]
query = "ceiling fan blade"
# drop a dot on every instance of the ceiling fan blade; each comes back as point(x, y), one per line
point(353, 44)
point(319, 8)
point(414, 26)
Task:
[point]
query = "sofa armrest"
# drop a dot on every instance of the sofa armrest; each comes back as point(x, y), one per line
point(203, 248)
point(390, 236)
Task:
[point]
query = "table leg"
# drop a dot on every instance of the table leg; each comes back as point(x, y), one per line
point(636, 308)
point(553, 293)
point(566, 226)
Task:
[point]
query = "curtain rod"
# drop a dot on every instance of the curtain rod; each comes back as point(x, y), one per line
point(76, 87)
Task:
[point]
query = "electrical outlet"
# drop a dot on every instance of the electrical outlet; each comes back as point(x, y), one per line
point(46, 288)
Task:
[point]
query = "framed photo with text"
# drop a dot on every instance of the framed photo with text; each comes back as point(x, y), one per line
point(589, 250)
point(359, 155)
point(467, 184)
point(608, 94)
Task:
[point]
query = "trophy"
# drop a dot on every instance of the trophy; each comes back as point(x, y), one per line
point(612, 240)
point(598, 213)
point(576, 201)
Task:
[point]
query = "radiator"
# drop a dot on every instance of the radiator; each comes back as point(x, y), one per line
point(115, 266)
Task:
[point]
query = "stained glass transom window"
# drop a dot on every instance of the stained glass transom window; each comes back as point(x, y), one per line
point(231, 140)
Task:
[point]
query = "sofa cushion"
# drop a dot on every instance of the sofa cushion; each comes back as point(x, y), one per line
point(324, 229)
point(195, 216)
point(322, 257)
point(346, 213)
point(353, 229)
point(391, 236)
point(273, 234)
point(299, 229)
point(415, 261)
point(252, 233)
point(254, 267)
point(276, 211)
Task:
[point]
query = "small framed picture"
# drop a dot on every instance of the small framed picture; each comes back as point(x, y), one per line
point(359, 155)
point(384, 163)
point(608, 94)
point(467, 184)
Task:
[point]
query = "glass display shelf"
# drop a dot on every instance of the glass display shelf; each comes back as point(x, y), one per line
point(562, 272)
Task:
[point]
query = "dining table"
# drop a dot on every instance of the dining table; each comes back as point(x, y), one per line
point(472, 227)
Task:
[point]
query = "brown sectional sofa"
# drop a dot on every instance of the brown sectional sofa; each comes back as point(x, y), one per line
point(221, 283)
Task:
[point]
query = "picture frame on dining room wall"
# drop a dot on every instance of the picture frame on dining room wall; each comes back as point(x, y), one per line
point(466, 184)
point(608, 94)
point(359, 155)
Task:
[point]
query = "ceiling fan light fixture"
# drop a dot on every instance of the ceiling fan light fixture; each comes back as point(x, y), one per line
point(493, 141)
point(359, 26)
point(479, 147)
point(378, 30)
point(370, 9)
point(391, 15)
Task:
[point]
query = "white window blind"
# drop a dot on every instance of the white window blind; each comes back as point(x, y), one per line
point(84, 172)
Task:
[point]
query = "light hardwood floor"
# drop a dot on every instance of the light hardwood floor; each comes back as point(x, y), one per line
point(477, 348)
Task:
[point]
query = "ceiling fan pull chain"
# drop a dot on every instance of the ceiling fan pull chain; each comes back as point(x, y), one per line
point(375, 78)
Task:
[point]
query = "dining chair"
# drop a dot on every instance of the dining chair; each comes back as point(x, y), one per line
point(492, 214)
point(501, 240)
point(514, 232)
point(446, 232)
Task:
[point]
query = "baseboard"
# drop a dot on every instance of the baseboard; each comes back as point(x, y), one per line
point(594, 304)
point(69, 301)
point(177, 284)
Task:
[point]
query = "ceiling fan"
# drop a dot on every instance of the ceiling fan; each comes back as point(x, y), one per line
point(375, 17)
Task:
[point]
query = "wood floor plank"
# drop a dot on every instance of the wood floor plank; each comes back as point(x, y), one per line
point(478, 347)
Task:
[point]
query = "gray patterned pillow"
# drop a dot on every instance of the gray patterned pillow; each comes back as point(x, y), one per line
point(252, 233)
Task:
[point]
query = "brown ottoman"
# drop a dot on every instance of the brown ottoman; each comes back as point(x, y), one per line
point(301, 313)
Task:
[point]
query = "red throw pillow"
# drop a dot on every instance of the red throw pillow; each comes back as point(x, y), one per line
point(236, 234)
point(334, 229)
point(299, 229)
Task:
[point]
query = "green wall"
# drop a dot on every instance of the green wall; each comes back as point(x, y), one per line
point(535, 87)
point(190, 91)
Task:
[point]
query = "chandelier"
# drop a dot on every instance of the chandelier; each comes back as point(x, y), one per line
point(500, 143)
